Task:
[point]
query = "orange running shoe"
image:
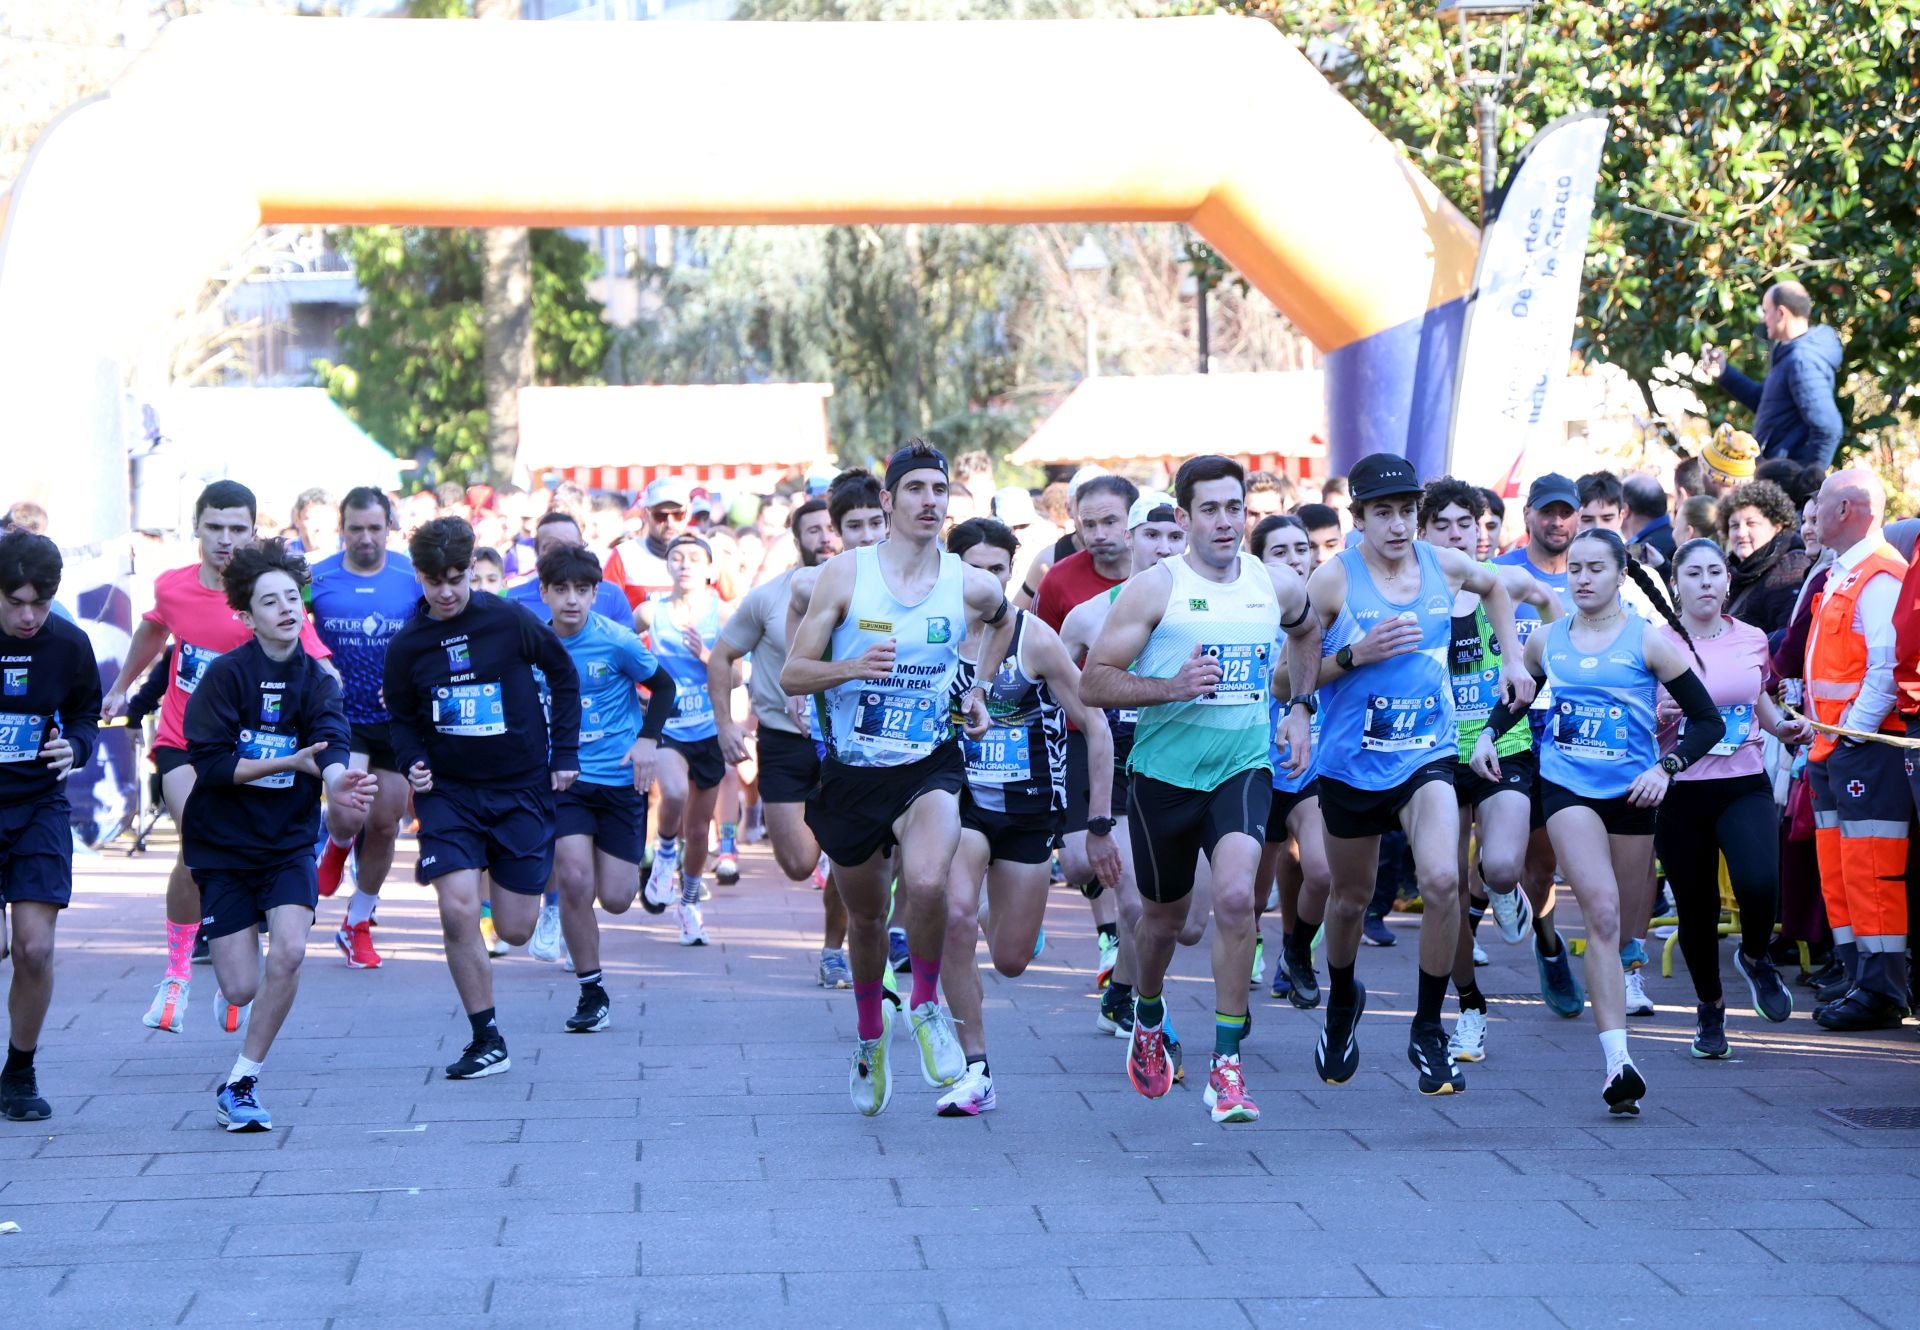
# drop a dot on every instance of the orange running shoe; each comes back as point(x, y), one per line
point(1227, 1092)
point(333, 863)
point(1147, 1065)
point(356, 943)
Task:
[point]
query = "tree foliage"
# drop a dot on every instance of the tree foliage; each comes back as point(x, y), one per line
point(1752, 140)
point(410, 367)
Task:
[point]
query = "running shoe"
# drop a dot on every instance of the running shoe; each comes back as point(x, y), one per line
point(1109, 957)
point(20, 1099)
point(169, 1009)
point(1479, 954)
point(663, 883)
point(333, 863)
point(202, 950)
point(1624, 1089)
point(1633, 954)
point(1147, 1064)
point(491, 937)
point(820, 871)
point(970, 1096)
point(1468, 1042)
point(693, 925)
point(1772, 998)
point(833, 972)
point(485, 1056)
point(231, 1016)
point(1282, 986)
point(1337, 1056)
point(594, 1013)
point(701, 888)
point(1301, 978)
point(566, 955)
point(545, 943)
point(236, 1109)
point(899, 960)
point(870, 1081)
point(1710, 1033)
point(726, 868)
point(356, 943)
point(1512, 914)
point(1116, 1015)
point(1638, 1003)
point(1173, 1049)
point(1259, 964)
point(1039, 943)
point(1227, 1091)
point(1427, 1051)
point(1559, 987)
point(941, 1061)
point(1376, 933)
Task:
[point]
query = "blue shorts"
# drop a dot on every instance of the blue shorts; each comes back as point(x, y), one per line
point(614, 815)
point(36, 851)
point(506, 832)
point(233, 900)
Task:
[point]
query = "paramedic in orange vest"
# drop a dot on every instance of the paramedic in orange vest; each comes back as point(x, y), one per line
point(1860, 794)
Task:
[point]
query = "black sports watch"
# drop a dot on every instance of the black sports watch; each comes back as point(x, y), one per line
point(1344, 658)
point(1101, 826)
point(1307, 700)
point(1673, 764)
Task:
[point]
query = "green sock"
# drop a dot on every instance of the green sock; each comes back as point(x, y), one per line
point(486, 909)
point(1148, 1011)
point(1228, 1031)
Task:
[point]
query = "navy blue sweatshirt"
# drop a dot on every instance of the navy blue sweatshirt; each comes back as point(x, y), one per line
point(463, 698)
point(47, 679)
point(251, 705)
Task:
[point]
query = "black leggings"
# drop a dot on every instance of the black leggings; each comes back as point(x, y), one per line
point(1700, 820)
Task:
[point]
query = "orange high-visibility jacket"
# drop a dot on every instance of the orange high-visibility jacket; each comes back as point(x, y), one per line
point(1836, 654)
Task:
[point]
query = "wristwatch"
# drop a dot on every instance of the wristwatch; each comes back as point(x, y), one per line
point(1344, 658)
point(1307, 700)
point(1101, 826)
point(1673, 764)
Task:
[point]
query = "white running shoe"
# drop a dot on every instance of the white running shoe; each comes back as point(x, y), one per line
point(1480, 954)
point(663, 883)
point(1468, 1042)
point(231, 1016)
point(693, 926)
point(970, 1096)
point(546, 941)
point(941, 1060)
point(870, 1080)
point(169, 1009)
point(1513, 912)
point(1638, 1003)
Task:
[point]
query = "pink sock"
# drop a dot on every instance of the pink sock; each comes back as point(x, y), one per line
point(180, 949)
point(868, 1020)
point(926, 981)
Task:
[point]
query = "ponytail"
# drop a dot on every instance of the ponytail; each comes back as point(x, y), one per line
point(1646, 581)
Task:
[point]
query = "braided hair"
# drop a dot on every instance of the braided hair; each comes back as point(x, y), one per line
point(1649, 584)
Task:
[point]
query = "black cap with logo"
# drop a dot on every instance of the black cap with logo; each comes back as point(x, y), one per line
point(1382, 476)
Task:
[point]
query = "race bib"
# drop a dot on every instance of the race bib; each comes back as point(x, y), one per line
point(1591, 730)
point(1473, 694)
point(1126, 715)
point(592, 728)
point(471, 710)
point(693, 702)
point(1739, 723)
point(1243, 672)
point(1002, 756)
point(1400, 724)
point(21, 736)
point(193, 662)
point(900, 722)
point(264, 745)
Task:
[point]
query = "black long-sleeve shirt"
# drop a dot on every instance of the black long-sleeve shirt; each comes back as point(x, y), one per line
point(147, 700)
point(463, 698)
point(249, 705)
point(48, 679)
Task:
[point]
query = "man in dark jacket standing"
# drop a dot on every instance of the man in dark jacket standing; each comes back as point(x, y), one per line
point(1794, 412)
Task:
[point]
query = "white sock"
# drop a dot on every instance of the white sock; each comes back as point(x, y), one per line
point(1614, 1044)
point(337, 843)
point(360, 908)
point(242, 1067)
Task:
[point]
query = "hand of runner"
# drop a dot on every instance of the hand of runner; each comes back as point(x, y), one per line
point(877, 661)
point(1198, 677)
point(797, 713)
point(1384, 641)
point(355, 789)
point(973, 706)
point(304, 760)
point(112, 706)
point(56, 752)
point(1296, 736)
point(695, 644)
point(1103, 854)
point(1485, 762)
point(642, 757)
point(733, 745)
point(563, 779)
point(1516, 685)
point(420, 776)
point(1648, 788)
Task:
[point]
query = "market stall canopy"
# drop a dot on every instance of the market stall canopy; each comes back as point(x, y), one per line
point(1273, 421)
point(275, 441)
point(736, 437)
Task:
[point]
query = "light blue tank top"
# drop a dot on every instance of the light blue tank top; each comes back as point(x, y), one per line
point(1600, 734)
point(1386, 720)
point(904, 717)
point(693, 705)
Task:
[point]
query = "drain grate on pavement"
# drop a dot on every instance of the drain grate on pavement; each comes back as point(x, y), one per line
point(1875, 1119)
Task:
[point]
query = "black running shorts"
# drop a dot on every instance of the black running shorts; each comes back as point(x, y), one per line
point(1015, 838)
point(853, 816)
point(614, 815)
point(233, 900)
point(507, 832)
point(1619, 817)
point(1517, 772)
point(1352, 813)
point(1172, 826)
point(706, 768)
point(789, 766)
point(36, 851)
point(374, 742)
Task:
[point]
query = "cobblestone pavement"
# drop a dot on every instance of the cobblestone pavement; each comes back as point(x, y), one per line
point(699, 1162)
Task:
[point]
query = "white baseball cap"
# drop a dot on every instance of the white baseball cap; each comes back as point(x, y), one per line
point(1146, 505)
point(1014, 506)
point(669, 490)
point(1082, 476)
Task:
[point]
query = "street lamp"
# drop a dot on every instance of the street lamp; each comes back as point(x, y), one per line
point(1484, 58)
point(1086, 263)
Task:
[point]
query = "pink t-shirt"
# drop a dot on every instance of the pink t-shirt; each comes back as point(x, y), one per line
point(1736, 663)
point(203, 628)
